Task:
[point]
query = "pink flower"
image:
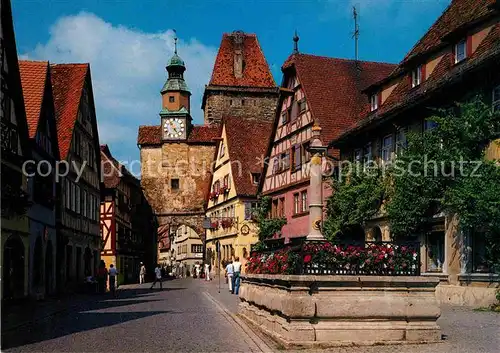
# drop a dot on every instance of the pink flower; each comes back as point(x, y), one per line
point(307, 259)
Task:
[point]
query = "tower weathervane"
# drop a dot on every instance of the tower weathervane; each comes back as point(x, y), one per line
point(175, 41)
point(295, 43)
point(356, 32)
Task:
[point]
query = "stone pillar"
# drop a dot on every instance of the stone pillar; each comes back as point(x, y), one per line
point(316, 186)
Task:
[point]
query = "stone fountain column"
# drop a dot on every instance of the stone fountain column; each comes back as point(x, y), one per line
point(316, 186)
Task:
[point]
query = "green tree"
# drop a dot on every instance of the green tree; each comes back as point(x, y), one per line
point(445, 170)
point(268, 227)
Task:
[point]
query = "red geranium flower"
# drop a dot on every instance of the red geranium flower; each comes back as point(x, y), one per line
point(307, 259)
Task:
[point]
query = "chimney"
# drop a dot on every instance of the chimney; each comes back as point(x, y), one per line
point(238, 37)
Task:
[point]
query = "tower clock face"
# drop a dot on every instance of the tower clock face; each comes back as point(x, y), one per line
point(174, 127)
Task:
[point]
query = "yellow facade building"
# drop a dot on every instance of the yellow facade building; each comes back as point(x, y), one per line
point(233, 191)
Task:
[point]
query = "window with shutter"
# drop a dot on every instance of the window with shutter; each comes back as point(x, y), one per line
point(296, 204)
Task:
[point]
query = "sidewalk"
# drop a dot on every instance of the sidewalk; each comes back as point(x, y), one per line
point(230, 301)
point(29, 311)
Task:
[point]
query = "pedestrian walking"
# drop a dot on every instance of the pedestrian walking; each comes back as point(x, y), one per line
point(236, 275)
point(113, 272)
point(157, 277)
point(229, 274)
point(102, 274)
point(142, 274)
point(207, 272)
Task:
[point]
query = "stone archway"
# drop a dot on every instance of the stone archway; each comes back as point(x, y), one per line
point(49, 264)
point(13, 268)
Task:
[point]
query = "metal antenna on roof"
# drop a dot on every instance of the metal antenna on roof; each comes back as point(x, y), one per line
point(295, 43)
point(356, 31)
point(175, 41)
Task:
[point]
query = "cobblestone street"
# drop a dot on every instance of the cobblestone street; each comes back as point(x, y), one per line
point(181, 318)
point(192, 316)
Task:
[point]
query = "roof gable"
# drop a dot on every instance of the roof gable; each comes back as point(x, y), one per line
point(333, 88)
point(151, 135)
point(457, 16)
point(113, 171)
point(67, 85)
point(13, 78)
point(246, 145)
point(255, 72)
point(33, 80)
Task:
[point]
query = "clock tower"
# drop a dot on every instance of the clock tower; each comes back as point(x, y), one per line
point(175, 112)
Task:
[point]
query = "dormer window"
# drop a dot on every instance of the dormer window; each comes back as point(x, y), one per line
point(460, 51)
point(374, 102)
point(222, 150)
point(255, 178)
point(416, 77)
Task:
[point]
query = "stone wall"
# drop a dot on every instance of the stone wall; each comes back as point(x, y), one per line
point(342, 310)
point(246, 104)
point(192, 165)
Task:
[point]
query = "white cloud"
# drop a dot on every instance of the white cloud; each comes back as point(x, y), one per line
point(128, 72)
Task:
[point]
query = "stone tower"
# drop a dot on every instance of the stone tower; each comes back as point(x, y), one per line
point(241, 82)
point(176, 159)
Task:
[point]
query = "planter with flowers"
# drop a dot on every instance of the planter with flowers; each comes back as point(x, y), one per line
point(325, 258)
point(324, 293)
point(227, 223)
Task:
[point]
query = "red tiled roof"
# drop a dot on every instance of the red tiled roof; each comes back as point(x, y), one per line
point(333, 89)
point(67, 86)
point(33, 80)
point(247, 141)
point(204, 133)
point(112, 170)
point(444, 74)
point(256, 71)
point(458, 14)
point(151, 135)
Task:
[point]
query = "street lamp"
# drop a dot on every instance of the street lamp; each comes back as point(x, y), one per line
point(317, 151)
point(207, 224)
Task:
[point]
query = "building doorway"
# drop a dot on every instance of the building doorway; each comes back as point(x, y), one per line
point(13, 268)
point(69, 263)
point(49, 261)
point(78, 266)
point(377, 234)
point(87, 256)
point(38, 266)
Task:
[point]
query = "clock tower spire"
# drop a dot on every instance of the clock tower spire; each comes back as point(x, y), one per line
point(175, 112)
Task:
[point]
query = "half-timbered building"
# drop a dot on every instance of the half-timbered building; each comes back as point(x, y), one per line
point(40, 114)
point(15, 151)
point(123, 242)
point(79, 241)
point(457, 59)
point(238, 167)
point(315, 90)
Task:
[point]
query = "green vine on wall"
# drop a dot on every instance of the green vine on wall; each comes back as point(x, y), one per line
point(444, 169)
point(268, 226)
point(357, 196)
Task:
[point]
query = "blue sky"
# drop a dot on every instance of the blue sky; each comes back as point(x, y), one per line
point(128, 43)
